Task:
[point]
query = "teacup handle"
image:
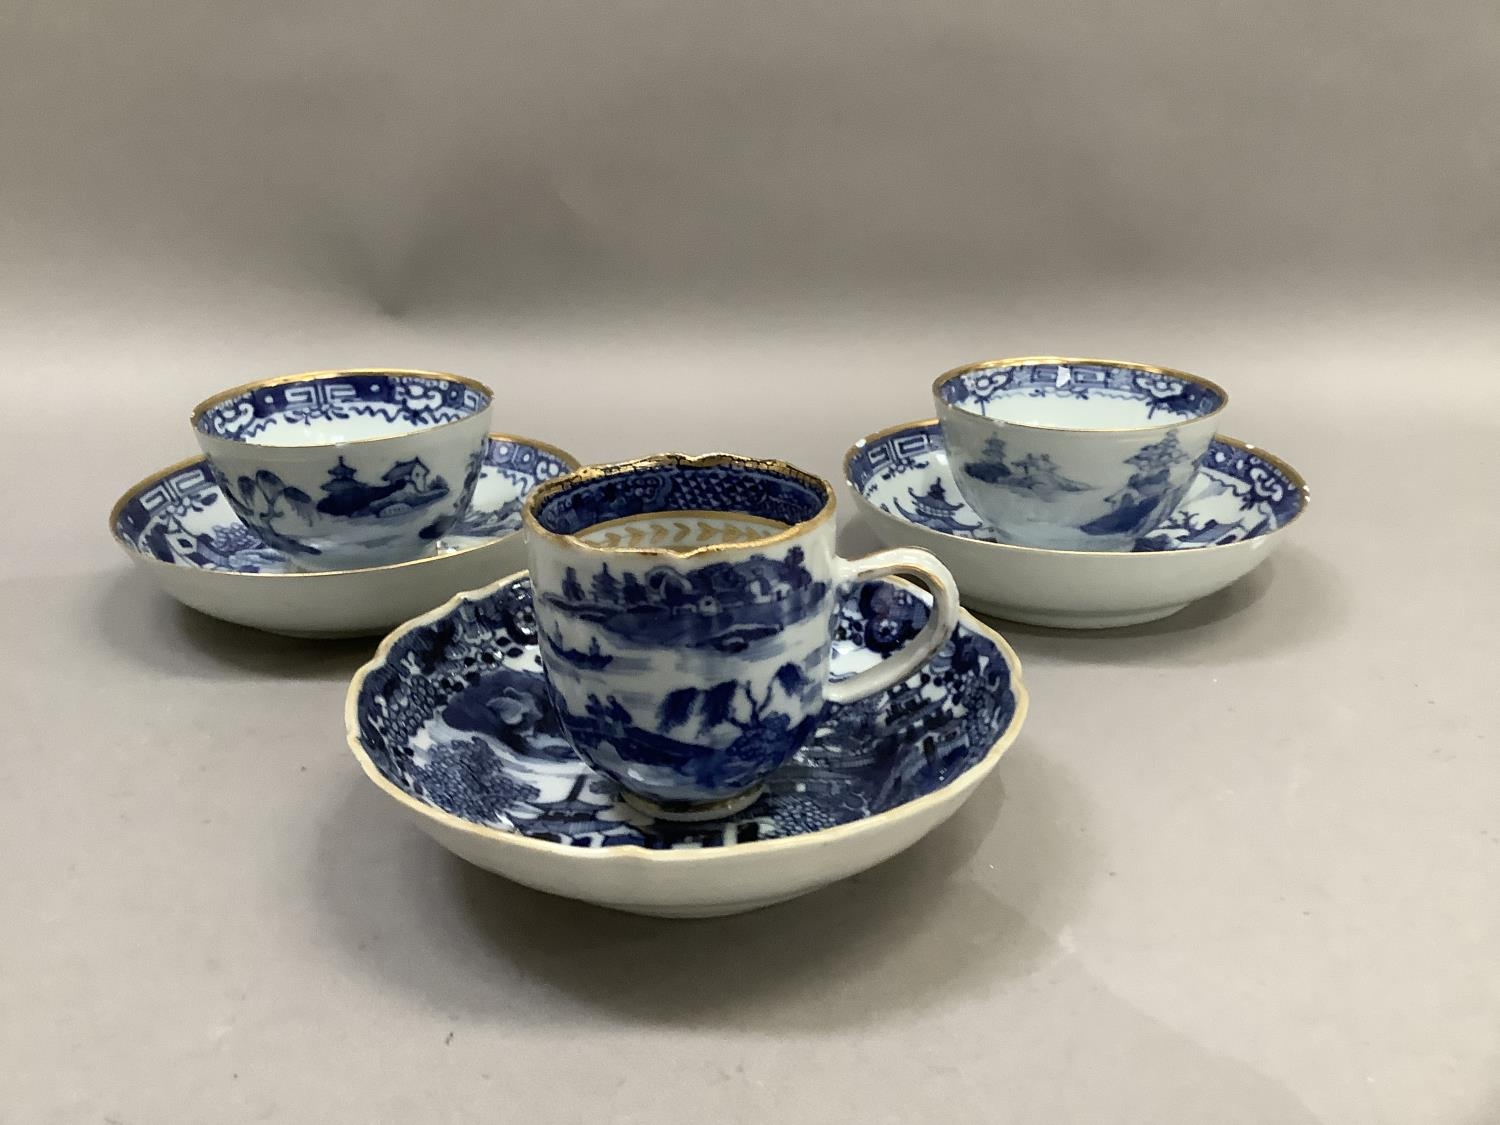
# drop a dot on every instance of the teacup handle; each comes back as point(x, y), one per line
point(941, 621)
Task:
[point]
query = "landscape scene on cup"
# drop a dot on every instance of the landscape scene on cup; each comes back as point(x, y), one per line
point(741, 721)
point(754, 703)
point(1133, 509)
point(1035, 474)
point(722, 606)
point(267, 502)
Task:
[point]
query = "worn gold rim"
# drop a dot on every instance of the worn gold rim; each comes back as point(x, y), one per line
point(314, 376)
point(956, 789)
point(161, 474)
point(539, 495)
point(1024, 361)
point(1297, 480)
point(761, 523)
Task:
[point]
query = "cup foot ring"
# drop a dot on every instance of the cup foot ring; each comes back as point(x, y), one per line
point(689, 811)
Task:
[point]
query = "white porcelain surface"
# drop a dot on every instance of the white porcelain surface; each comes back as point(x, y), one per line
point(1065, 589)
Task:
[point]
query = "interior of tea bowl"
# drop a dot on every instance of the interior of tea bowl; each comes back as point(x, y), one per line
point(1075, 454)
point(348, 469)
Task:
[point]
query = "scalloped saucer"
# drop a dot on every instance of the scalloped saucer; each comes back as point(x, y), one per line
point(451, 720)
point(1229, 523)
point(179, 527)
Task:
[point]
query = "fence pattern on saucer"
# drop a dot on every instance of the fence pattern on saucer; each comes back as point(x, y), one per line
point(458, 716)
point(1236, 495)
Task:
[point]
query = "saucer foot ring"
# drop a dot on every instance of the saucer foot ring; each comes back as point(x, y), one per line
point(688, 812)
point(1063, 619)
point(707, 910)
point(372, 632)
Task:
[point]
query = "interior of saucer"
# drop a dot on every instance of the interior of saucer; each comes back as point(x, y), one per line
point(1238, 494)
point(339, 407)
point(457, 716)
point(713, 499)
point(1079, 396)
point(180, 516)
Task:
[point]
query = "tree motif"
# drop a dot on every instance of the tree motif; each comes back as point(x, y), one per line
point(715, 706)
point(271, 491)
point(605, 587)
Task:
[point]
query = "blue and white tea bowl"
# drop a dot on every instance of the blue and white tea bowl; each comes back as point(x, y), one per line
point(1229, 523)
point(1074, 454)
point(348, 469)
point(453, 722)
point(177, 526)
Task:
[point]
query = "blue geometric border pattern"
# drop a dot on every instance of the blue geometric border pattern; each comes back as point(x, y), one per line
point(1159, 391)
point(458, 716)
point(412, 399)
point(1236, 495)
point(183, 518)
point(682, 487)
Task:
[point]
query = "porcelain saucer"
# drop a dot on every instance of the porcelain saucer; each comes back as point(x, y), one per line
point(178, 526)
point(1229, 523)
point(451, 720)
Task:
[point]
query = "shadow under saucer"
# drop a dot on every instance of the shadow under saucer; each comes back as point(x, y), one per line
point(929, 923)
point(151, 628)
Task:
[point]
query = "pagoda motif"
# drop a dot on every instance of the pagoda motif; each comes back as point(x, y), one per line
point(1035, 474)
point(933, 509)
point(407, 486)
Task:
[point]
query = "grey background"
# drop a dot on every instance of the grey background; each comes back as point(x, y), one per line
point(1243, 865)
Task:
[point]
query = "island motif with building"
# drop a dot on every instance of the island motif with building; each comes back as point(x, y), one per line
point(724, 606)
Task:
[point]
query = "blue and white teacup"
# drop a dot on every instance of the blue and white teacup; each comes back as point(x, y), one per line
point(685, 607)
point(348, 469)
point(1074, 454)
